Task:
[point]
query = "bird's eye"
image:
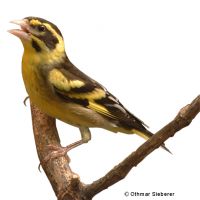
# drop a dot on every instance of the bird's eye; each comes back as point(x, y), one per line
point(41, 28)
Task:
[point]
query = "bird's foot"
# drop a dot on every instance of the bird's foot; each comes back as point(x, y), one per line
point(58, 151)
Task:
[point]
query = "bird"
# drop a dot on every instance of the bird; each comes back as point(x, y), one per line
point(59, 89)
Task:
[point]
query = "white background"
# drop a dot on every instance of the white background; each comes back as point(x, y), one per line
point(147, 53)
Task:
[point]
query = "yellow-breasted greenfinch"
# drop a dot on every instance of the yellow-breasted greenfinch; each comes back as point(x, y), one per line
point(64, 92)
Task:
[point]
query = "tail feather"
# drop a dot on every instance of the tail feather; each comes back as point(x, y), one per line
point(146, 135)
point(165, 148)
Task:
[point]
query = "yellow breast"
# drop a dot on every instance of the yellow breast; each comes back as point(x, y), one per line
point(42, 96)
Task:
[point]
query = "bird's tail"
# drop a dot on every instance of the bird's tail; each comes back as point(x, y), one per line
point(146, 135)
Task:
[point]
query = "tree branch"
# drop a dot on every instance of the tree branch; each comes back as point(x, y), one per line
point(60, 175)
point(67, 185)
point(183, 119)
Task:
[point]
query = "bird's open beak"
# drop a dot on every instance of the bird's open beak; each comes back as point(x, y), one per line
point(24, 32)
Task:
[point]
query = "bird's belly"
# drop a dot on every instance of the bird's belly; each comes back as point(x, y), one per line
point(48, 102)
point(68, 112)
point(64, 111)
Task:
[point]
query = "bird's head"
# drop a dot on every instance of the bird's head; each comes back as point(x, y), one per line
point(39, 36)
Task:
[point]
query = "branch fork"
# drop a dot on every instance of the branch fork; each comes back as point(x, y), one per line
point(67, 185)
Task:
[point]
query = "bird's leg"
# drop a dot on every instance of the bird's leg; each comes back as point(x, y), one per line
point(85, 134)
point(58, 151)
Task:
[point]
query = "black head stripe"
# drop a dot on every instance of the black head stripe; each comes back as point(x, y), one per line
point(49, 39)
point(36, 46)
point(45, 21)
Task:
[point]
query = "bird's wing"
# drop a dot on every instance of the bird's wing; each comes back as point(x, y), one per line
point(74, 86)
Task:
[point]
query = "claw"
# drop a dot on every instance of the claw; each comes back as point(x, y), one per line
point(25, 100)
point(39, 167)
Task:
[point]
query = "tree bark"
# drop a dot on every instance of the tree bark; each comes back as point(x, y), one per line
point(66, 184)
